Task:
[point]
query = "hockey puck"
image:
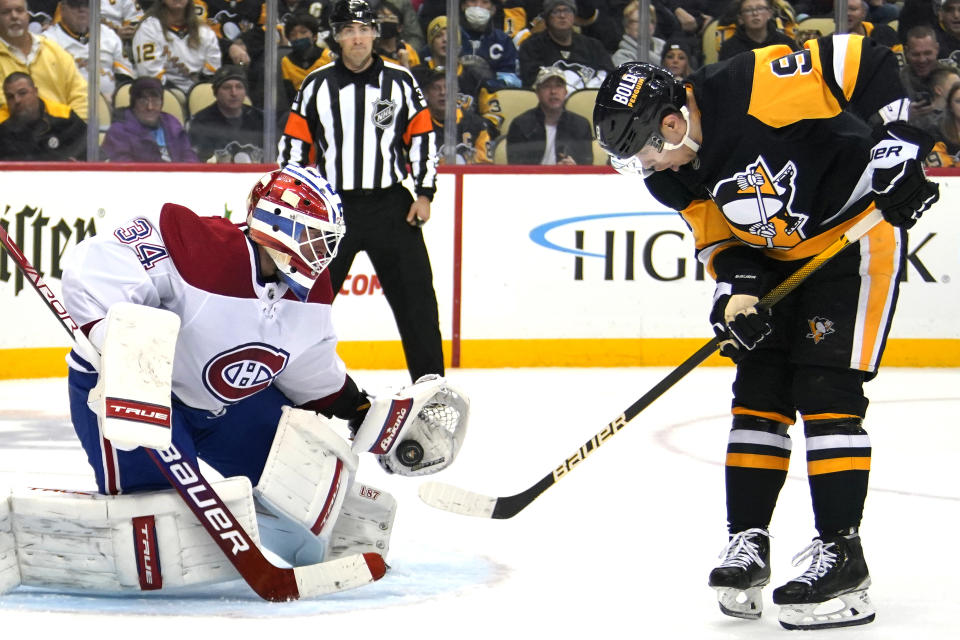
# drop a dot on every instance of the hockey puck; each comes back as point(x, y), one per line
point(409, 452)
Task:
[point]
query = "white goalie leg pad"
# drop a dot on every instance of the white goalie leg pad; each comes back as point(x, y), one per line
point(303, 486)
point(365, 523)
point(132, 395)
point(138, 542)
point(418, 430)
point(9, 569)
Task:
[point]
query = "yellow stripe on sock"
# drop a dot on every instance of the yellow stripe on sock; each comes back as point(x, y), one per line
point(834, 465)
point(757, 461)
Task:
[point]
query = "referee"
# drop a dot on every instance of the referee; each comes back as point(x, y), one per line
point(360, 120)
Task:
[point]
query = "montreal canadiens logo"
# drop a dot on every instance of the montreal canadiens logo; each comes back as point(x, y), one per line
point(243, 371)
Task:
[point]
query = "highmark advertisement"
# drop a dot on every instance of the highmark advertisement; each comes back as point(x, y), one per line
point(542, 269)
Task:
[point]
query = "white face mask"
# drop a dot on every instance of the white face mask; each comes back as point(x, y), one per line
point(478, 17)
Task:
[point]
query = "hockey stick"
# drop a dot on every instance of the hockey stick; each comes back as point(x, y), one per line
point(449, 498)
point(267, 580)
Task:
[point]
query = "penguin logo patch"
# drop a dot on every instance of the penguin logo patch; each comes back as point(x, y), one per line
point(819, 328)
point(758, 206)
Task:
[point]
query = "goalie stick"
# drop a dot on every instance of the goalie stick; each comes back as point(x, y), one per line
point(454, 499)
point(267, 580)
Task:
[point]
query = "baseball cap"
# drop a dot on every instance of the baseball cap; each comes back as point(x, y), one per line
point(76, 3)
point(546, 73)
point(144, 86)
point(229, 72)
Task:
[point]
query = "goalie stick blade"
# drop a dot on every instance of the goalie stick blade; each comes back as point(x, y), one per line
point(341, 574)
point(456, 500)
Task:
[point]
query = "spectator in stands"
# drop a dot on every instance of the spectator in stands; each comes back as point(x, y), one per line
point(300, 30)
point(144, 133)
point(475, 78)
point(391, 45)
point(677, 58)
point(229, 19)
point(948, 30)
point(755, 29)
point(940, 81)
point(479, 37)
point(175, 46)
point(123, 16)
point(920, 55)
point(410, 24)
point(50, 67)
point(692, 17)
point(37, 129)
point(228, 130)
point(879, 33)
point(510, 16)
point(584, 59)
point(627, 50)
point(71, 34)
point(548, 133)
point(946, 152)
point(474, 133)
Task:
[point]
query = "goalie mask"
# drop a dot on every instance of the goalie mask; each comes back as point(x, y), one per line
point(631, 103)
point(297, 217)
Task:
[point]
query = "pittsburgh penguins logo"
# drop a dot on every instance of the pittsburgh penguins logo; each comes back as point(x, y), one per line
point(243, 371)
point(819, 328)
point(757, 205)
point(384, 111)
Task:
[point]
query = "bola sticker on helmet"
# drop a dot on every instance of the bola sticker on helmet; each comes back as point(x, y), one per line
point(297, 217)
point(631, 105)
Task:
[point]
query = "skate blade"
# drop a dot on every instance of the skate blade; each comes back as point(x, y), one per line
point(846, 610)
point(740, 603)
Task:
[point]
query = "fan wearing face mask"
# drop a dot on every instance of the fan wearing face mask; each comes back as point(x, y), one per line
point(389, 45)
point(479, 38)
point(301, 31)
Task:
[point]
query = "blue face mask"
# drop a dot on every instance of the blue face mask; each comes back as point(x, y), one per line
point(301, 44)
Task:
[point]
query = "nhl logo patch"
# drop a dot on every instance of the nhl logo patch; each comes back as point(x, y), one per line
point(384, 111)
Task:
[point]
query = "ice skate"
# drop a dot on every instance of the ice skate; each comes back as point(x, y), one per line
point(745, 570)
point(832, 592)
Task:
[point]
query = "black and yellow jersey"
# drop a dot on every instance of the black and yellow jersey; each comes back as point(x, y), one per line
point(784, 164)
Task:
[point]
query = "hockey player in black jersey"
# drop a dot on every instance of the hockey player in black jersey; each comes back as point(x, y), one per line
point(771, 158)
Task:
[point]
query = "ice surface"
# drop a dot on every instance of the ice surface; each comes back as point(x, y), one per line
point(619, 549)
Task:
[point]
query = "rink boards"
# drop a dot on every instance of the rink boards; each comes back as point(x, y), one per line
point(549, 267)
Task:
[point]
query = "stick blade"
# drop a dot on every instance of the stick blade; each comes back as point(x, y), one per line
point(456, 500)
point(341, 574)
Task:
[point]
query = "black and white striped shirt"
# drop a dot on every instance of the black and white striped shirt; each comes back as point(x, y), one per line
point(361, 129)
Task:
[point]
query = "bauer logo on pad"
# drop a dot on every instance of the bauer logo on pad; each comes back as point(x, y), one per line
point(138, 412)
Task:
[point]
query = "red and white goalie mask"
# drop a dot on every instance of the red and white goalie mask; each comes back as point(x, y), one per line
point(297, 217)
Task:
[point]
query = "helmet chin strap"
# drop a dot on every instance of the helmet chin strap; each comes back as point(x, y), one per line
point(686, 141)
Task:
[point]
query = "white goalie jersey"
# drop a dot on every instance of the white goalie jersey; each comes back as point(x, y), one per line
point(168, 56)
point(239, 334)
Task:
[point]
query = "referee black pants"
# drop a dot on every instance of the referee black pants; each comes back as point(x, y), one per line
point(377, 223)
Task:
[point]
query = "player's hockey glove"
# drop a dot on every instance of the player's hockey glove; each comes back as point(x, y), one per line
point(903, 192)
point(741, 323)
point(736, 318)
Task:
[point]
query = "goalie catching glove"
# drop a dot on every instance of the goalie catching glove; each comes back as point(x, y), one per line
point(417, 430)
point(903, 192)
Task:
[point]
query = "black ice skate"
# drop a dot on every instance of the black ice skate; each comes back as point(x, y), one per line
point(837, 575)
point(745, 570)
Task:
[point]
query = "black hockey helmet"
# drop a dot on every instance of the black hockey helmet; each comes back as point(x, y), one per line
point(631, 103)
point(349, 11)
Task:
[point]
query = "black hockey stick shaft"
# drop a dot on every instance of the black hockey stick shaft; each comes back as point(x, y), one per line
point(267, 580)
point(509, 506)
